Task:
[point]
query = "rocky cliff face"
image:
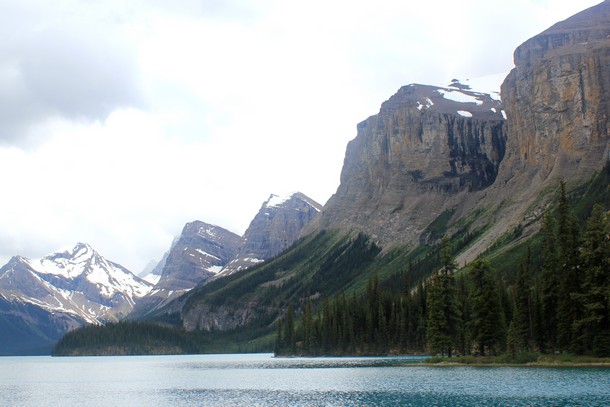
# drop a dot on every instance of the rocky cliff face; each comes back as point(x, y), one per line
point(200, 252)
point(425, 148)
point(430, 151)
point(557, 100)
point(274, 228)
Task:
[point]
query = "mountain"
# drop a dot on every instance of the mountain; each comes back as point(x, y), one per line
point(442, 161)
point(27, 329)
point(424, 153)
point(275, 227)
point(427, 149)
point(75, 286)
point(200, 252)
point(444, 156)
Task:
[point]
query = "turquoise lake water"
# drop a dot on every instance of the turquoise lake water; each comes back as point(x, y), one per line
point(262, 380)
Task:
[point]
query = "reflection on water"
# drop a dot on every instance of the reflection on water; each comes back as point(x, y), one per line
point(261, 380)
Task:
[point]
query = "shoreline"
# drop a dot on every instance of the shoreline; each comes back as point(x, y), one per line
point(522, 360)
point(534, 364)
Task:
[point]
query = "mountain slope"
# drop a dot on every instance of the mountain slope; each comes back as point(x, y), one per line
point(318, 266)
point(205, 252)
point(76, 280)
point(27, 329)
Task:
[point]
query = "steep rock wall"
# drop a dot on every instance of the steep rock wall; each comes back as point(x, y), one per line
point(557, 100)
point(415, 159)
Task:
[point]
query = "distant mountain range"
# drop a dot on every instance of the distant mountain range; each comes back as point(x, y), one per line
point(40, 300)
point(204, 251)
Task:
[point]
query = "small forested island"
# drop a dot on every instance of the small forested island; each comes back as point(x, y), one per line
point(125, 338)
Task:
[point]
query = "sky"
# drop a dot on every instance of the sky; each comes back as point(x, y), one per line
point(122, 120)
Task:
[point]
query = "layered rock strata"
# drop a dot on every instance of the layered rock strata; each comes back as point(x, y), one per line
point(427, 147)
point(557, 100)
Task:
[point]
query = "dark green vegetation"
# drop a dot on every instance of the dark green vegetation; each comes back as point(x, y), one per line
point(125, 338)
point(333, 294)
point(559, 303)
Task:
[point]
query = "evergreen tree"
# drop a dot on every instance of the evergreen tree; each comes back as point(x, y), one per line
point(308, 329)
point(326, 327)
point(522, 315)
point(568, 309)
point(278, 347)
point(594, 325)
point(486, 323)
point(289, 340)
point(549, 284)
point(442, 312)
point(463, 334)
point(512, 340)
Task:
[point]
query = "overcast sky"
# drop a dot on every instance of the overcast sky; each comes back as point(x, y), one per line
point(120, 121)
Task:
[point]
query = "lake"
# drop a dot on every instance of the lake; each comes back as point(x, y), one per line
point(262, 380)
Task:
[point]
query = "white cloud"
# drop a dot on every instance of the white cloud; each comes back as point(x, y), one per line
point(61, 60)
point(121, 121)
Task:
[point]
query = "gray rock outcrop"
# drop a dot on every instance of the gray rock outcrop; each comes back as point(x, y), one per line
point(274, 228)
point(199, 254)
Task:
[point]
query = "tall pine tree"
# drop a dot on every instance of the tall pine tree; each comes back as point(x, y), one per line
point(568, 308)
point(486, 323)
point(549, 284)
point(442, 310)
point(594, 325)
point(522, 314)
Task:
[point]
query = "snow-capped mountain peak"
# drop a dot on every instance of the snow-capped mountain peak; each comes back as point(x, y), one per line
point(76, 280)
point(70, 262)
point(279, 201)
point(275, 201)
point(275, 227)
